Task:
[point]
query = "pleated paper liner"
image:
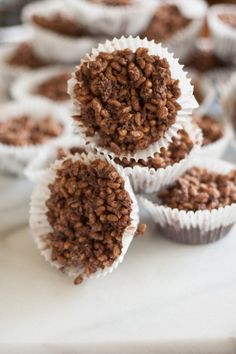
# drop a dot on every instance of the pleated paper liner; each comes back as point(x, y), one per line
point(186, 100)
point(218, 147)
point(45, 157)
point(199, 227)
point(13, 159)
point(24, 87)
point(149, 180)
point(9, 72)
point(228, 103)
point(183, 42)
point(41, 227)
point(224, 36)
point(50, 45)
point(114, 20)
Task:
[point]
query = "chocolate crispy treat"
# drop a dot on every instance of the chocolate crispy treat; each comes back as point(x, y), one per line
point(199, 189)
point(177, 150)
point(54, 88)
point(204, 60)
point(24, 55)
point(88, 210)
point(212, 129)
point(166, 22)
point(128, 99)
point(229, 19)
point(26, 131)
point(113, 2)
point(60, 23)
point(63, 152)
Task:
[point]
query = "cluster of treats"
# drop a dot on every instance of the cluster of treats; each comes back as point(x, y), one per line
point(177, 150)
point(167, 20)
point(55, 88)
point(24, 55)
point(88, 210)
point(199, 189)
point(24, 130)
point(60, 23)
point(128, 98)
point(126, 101)
point(212, 129)
point(229, 19)
point(134, 110)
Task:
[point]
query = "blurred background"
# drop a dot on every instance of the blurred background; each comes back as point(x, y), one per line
point(10, 10)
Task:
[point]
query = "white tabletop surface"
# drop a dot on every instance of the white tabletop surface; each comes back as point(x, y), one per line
point(164, 297)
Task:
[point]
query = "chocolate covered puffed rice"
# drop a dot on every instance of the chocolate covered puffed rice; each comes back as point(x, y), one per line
point(229, 19)
point(128, 99)
point(212, 129)
point(60, 23)
point(23, 55)
point(166, 22)
point(91, 215)
point(54, 88)
point(200, 189)
point(178, 149)
point(23, 130)
point(200, 206)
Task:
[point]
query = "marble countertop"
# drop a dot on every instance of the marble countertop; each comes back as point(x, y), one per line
point(164, 297)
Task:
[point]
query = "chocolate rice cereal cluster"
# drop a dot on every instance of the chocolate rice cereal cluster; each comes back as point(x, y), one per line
point(54, 88)
point(212, 129)
point(228, 19)
point(88, 210)
point(24, 130)
point(23, 55)
point(60, 23)
point(204, 60)
point(128, 99)
point(199, 189)
point(166, 22)
point(112, 2)
point(177, 150)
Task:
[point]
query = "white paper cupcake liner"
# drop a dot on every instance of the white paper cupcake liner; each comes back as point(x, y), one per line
point(186, 100)
point(13, 159)
point(149, 180)
point(114, 20)
point(218, 78)
point(206, 89)
point(46, 157)
point(217, 149)
point(202, 226)
point(224, 36)
point(9, 72)
point(53, 46)
point(182, 44)
point(3, 91)
point(25, 85)
point(41, 227)
point(228, 103)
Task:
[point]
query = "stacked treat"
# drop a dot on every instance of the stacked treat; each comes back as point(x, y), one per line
point(135, 128)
